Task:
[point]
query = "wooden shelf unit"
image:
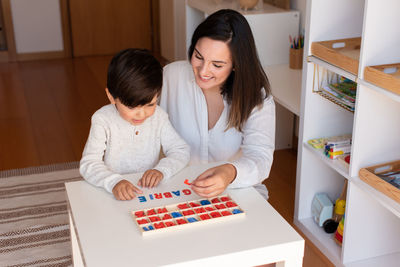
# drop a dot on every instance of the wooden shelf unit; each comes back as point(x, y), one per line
point(372, 220)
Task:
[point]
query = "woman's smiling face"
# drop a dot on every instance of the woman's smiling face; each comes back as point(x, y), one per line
point(212, 63)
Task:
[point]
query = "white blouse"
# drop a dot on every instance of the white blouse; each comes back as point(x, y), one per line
point(250, 151)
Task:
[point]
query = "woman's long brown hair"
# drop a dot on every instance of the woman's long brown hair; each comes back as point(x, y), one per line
point(244, 87)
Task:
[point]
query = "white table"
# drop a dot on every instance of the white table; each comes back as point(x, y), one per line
point(103, 232)
point(285, 86)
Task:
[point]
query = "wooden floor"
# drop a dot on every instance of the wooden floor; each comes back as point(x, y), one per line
point(281, 185)
point(45, 110)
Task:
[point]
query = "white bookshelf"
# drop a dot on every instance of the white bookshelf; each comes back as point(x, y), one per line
point(372, 222)
point(336, 165)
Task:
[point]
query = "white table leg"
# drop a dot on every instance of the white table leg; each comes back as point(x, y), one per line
point(76, 253)
point(284, 127)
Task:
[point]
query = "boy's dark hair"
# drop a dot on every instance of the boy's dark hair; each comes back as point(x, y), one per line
point(134, 77)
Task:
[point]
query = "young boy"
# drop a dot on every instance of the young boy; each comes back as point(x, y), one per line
point(126, 136)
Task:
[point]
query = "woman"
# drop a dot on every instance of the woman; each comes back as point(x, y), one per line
point(220, 103)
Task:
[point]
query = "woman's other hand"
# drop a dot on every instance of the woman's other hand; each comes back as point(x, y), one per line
point(214, 181)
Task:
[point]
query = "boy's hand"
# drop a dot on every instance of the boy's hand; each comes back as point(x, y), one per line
point(125, 190)
point(151, 178)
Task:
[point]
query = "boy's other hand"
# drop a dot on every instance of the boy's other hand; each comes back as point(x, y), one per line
point(125, 190)
point(151, 178)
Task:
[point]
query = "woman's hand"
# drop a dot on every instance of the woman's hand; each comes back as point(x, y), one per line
point(214, 181)
point(125, 190)
point(151, 178)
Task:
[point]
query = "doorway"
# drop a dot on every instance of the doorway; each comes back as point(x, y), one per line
point(89, 27)
point(103, 27)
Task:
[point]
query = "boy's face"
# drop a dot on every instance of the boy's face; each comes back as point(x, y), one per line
point(136, 115)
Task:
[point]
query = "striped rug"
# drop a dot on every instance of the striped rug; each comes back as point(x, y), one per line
point(34, 229)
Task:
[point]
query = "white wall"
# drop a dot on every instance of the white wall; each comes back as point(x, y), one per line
point(172, 14)
point(172, 21)
point(300, 5)
point(167, 29)
point(180, 21)
point(37, 25)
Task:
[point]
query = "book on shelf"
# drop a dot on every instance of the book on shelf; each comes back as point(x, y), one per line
point(392, 177)
point(333, 147)
point(343, 92)
point(328, 90)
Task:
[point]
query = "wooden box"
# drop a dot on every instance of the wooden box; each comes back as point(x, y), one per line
point(386, 76)
point(376, 176)
point(344, 53)
point(197, 212)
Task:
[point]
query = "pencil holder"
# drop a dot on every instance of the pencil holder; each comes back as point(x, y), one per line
point(296, 58)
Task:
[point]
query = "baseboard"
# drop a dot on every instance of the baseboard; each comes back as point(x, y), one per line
point(295, 142)
point(40, 55)
point(4, 57)
point(39, 169)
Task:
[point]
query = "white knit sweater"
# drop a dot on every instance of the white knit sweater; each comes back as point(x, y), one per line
point(115, 147)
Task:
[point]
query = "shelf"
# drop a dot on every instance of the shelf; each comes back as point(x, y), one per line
point(373, 219)
point(332, 68)
point(333, 100)
point(320, 239)
point(380, 90)
point(343, 53)
point(384, 200)
point(332, 163)
point(390, 260)
point(327, 75)
point(332, 251)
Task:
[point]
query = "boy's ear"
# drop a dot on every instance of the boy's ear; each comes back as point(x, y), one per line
point(110, 97)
